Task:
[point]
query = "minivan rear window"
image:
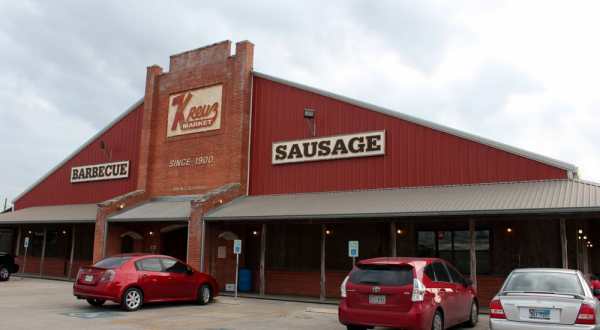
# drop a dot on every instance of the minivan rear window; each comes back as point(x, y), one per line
point(385, 275)
point(561, 283)
point(112, 262)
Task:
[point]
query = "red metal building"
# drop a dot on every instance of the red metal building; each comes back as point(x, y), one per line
point(216, 151)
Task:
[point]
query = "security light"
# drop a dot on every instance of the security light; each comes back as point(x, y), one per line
point(309, 113)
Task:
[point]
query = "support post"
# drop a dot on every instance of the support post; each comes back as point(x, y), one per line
point(105, 237)
point(43, 251)
point(72, 251)
point(585, 259)
point(263, 249)
point(237, 267)
point(323, 278)
point(563, 244)
point(202, 243)
point(18, 247)
point(393, 237)
point(473, 252)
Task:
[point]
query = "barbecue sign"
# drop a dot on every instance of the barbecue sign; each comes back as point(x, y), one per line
point(98, 172)
point(331, 147)
point(195, 111)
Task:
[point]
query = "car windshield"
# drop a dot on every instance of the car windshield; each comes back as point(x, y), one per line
point(382, 275)
point(112, 262)
point(544, 282)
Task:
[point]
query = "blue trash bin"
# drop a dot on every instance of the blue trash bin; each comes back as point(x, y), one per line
point(245, 280)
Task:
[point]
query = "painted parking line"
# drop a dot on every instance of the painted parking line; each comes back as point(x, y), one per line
point(92, 315)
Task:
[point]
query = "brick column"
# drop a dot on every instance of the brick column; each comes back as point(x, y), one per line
point(194, 252)
point(105, 210)
point(150, 99)
point(197, 237)
point(100, 234)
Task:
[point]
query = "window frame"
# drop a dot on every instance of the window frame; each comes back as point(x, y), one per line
point(453, 251)
point(165, 268)
point(445, 269)
point(138, 265)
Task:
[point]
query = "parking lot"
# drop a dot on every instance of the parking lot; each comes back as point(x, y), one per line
point(45, 304)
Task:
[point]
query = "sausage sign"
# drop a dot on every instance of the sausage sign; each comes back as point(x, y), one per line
point(331, 147)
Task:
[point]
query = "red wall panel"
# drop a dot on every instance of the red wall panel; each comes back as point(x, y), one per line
point(122, 139)
point(415, 155)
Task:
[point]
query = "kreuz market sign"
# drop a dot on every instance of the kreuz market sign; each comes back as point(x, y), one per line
point(331, 147)
point(195, 111)
point(98, 172)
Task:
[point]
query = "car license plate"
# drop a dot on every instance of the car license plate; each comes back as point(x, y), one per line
point(375, 299)
point(89, 278)
point(539, 313)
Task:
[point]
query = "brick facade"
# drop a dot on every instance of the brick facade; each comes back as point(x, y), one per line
point(228, 145)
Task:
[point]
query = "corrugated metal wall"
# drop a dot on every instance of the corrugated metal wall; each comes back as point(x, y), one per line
point(123, 140)
point(415, 155)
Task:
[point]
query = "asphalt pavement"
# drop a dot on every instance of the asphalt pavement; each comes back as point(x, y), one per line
point(31, 304)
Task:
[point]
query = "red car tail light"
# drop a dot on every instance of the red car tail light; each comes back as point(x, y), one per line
point(419, 289)
point(587, 314)
point(343, 287)
point(108, 276)
point(496, 310)
point(79, 273)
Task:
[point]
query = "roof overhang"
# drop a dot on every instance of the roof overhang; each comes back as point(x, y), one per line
point(155, 210)
point(533, 197)
point(73, 213)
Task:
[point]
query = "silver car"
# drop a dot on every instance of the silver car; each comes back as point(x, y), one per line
point(544, 298)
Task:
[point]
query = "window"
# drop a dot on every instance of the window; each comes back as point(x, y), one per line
point(430, 273)
point(441, 274)
point(456, 277)
point(149, 265)
point(454, 246)
point(382, 275)
point(112, 262)
point(174, 266)
point(566, 283)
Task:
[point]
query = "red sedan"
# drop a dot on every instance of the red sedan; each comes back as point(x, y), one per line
point(407, 293)
point(134, 279)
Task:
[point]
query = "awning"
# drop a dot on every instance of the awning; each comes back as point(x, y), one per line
point(155, 210)
point(551, 196)
point(74, 213)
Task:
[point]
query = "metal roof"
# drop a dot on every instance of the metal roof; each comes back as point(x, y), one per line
point(572, 169)
point(156, 210)
point(74, 153)
point(550, 196)
point(74, 213)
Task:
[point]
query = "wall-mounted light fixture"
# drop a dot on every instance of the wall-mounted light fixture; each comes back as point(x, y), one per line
point(399, 231)
point(121, 206)
point(151, 233)
point(255, 232)
point(107, 151)
point(509, 230)
point(580, 231)
point(309, 115)
point(328, 232)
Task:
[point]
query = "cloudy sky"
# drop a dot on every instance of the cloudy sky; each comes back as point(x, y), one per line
point(525, 73)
